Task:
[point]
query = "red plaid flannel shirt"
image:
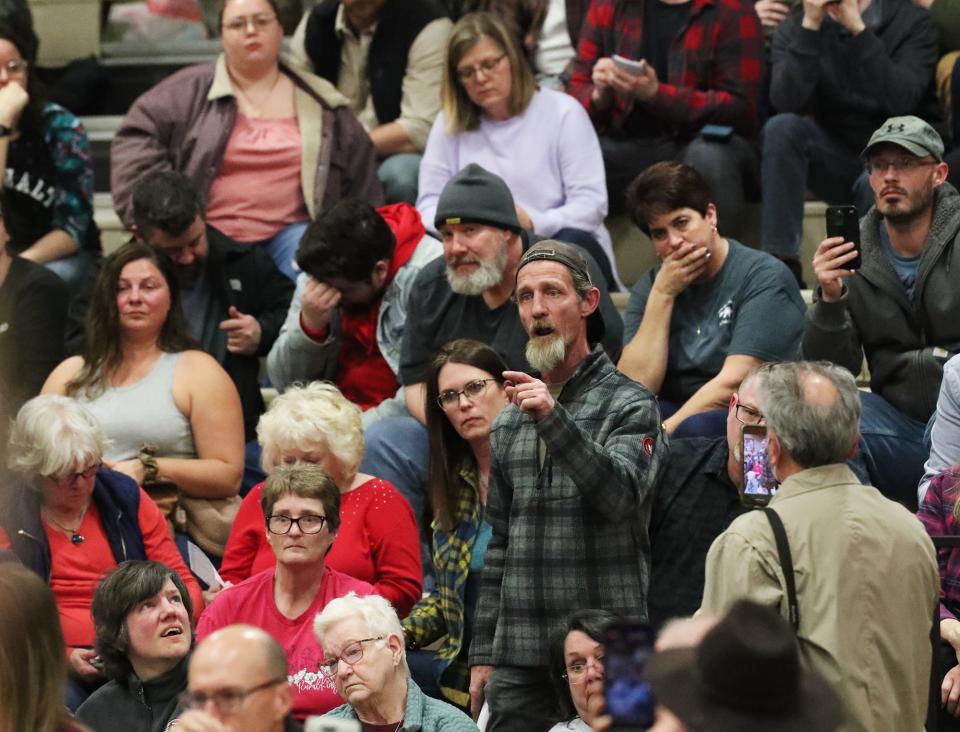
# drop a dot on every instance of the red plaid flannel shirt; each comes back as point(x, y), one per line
point(715, 68)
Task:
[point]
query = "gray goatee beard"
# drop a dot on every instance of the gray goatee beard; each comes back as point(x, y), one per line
point(488, 275)
point(546, 352)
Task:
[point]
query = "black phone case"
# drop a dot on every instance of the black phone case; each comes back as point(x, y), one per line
point(843, 221)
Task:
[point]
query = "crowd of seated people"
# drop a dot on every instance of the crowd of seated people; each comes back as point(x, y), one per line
point(474, 465)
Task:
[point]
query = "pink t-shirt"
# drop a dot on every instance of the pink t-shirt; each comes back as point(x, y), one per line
point(252, 602)
point(257, 190)
point(377, 541)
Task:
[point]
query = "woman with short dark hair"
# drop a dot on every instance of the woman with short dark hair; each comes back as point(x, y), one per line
point(709, 312)
point(576, 667)
point(142, 613)
point(301, 509)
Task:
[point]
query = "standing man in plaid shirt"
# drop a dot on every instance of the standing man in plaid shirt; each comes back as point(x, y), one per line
point(575, 458)
point(703, 62)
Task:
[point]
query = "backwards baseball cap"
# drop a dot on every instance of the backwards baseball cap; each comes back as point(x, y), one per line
point(911, 133)
point(475, 195)
point(574, 259)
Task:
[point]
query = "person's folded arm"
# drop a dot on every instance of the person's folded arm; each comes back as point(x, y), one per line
point(715, 394)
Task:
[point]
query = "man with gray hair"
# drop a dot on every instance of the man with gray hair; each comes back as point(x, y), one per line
point(828, 551)
point(575, 459)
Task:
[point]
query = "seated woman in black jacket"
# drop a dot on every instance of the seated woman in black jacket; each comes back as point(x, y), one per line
point(141, 612)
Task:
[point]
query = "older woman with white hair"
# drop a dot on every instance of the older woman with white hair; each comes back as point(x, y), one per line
point(377, 541)
point(71, 520)
point(364, 653)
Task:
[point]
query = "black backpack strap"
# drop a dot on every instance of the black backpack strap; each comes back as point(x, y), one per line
point(786, 563)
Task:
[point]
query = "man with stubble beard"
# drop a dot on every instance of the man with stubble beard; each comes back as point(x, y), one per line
point(575, 459)
point(901, 308)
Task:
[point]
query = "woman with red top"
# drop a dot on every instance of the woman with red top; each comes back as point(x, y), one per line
point(301, 513)
point(71, 520)
point(377, 541)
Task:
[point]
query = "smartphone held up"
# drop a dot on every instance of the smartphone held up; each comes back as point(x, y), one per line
point(759, 482)
point(628, 696)
point(843, 221)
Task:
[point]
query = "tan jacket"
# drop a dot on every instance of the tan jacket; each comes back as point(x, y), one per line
point(867, 583)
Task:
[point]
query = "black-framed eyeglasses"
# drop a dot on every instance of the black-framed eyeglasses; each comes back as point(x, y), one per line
point(748, 415)
point(71, 478)
point(227, 701)
point(471, 390)
point(351, 654)
point(577, 671)
point(878, 167)
point(307, 524)
point(469, 73)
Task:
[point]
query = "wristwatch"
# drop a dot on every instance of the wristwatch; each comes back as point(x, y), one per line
point(5, 131)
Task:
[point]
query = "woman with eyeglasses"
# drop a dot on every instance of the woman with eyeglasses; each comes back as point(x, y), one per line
point(576, 667)
point(364, 657)
point(377, 541)
point(540, 141)
point(301, 507)
point(267, 146)
point(71, 520)
point(49, 171)
point(465, 394)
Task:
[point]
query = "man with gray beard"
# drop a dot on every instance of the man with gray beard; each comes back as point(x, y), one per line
point(465, 294)
point(575, 459)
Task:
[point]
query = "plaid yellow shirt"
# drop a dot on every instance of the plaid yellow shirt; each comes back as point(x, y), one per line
point(441, 613)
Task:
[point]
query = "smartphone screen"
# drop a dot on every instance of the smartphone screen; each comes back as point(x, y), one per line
point(759, 483)
point(629, 698)
point(843, 221)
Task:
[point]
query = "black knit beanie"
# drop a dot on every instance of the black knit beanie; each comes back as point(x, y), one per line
point(477, 196)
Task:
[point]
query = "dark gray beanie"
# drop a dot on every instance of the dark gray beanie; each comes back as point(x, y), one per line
point(477, 196)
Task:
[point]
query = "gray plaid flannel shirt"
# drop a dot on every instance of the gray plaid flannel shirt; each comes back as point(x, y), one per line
point(573, 534)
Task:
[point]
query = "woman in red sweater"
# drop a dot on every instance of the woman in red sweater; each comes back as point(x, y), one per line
point(377, 541)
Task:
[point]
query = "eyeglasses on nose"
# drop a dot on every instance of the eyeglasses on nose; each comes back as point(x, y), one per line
point(227, 701)
point(351, 654)
point(306, 524)
point(471, 390)
point(469, 73)
point(259, 22)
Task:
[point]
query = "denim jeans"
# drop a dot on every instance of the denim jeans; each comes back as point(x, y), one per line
point(893, 448)
point(730, 167)
point(712, 423)
point(397, 450)
point(283, 248)
point(588, 242)
point(399, 175)
point(798, 154)
point(521, 699)
point(75, 269)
